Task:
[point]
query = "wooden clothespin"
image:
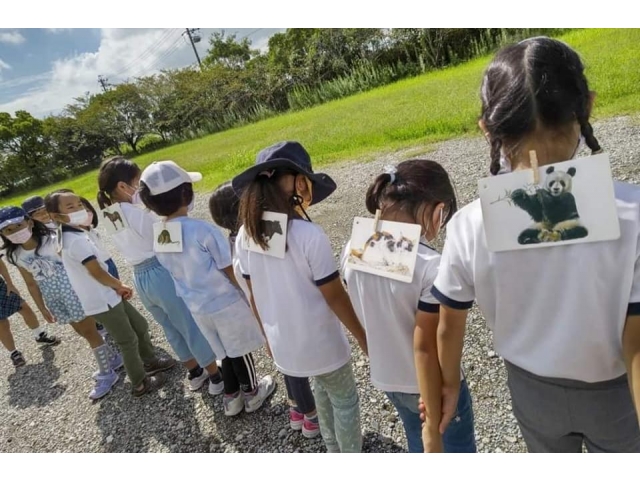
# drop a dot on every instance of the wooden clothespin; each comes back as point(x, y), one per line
point(533, 159)
point(376, 220)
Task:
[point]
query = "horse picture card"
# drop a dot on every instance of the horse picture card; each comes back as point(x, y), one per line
point(274, 232)
point(390, 251)
point(113, 219)
point(573, 202)
point(167, 237)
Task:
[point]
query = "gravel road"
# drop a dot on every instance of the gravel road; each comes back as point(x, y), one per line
point(44, 405)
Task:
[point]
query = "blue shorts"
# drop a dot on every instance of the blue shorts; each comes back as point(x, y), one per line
point(9, 304)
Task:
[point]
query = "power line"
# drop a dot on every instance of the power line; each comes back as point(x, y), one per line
point(194, 38)
point(157, 46)
point(155, 64)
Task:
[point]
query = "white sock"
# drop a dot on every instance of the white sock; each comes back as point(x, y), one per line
point(14, 351)
point(37, 331)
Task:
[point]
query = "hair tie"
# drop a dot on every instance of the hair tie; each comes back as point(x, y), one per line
point(391, 170)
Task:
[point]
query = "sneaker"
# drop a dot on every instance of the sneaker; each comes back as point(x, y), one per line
point(104, 384)
point(48, 340)
point(296, 419)
point(17, 359)
point(310, 427)
point(253, 401)
point(196, 383)
point(116, 363)
point(216, 387)
point(159, 365)
point(233, 404)
point(150, 383)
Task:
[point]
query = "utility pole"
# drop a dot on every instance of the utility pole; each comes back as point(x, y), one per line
point(194, 39)
point(104, 83)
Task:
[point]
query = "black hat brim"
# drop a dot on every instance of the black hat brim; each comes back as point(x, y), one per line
point(323, 184)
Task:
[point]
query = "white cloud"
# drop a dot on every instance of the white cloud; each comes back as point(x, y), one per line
point(3, 66)
point(13, 38)
point(122, 54)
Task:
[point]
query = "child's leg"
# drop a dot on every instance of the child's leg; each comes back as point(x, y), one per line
point(325, 416)
point(31, 321)
point(407, 406)
point(6, 337)
point(122, 332)
point(300, 395)
point(255, 391)
point(340, 388)
point(140, 326)
point(459, 437)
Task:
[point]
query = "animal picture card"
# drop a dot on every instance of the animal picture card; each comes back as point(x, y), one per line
point(113, 219)
point(275, 233)
point(573, 202)
point(390, 252)
point(167, 237)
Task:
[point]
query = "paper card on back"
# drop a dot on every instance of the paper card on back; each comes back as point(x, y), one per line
point(275, 233)
point(113, 219)
point(167, 237)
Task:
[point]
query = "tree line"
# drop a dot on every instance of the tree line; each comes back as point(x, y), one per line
point(236, 85)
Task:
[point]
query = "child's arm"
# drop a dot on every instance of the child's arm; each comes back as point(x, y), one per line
point(102, 276)
point(4, 272)
point(425, 351)
point(338, 300)
point(631, 352)
point(36, 294)
point(450, 337)
point(257, 315)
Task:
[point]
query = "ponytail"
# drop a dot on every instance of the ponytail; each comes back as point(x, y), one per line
point(375, 191)
point(103, 199)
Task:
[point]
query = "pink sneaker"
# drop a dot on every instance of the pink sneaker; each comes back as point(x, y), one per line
point(310, 427)
point(296, 419)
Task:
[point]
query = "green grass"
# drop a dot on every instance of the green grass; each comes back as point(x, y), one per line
point(414, 112)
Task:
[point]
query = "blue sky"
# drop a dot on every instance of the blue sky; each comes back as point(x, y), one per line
point(42, 70)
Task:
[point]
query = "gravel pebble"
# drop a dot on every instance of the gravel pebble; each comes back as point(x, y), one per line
point(54, 385)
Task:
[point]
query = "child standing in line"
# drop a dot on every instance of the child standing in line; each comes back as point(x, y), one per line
point(36, 210)
point(31, 247)
point(10, 304)
point(565, 318)
point(119, 181)
point(400, 318)
point(105, 254)
point(224, 208)
point(203, 275)
point(105, 297)
point(300, 299)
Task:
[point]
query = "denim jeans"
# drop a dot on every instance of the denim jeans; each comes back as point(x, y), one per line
point(459, 436)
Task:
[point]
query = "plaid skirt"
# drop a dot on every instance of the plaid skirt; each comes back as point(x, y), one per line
point(8, 304)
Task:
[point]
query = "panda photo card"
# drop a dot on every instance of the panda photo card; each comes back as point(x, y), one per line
point(167, 237)
point(389, 251)
point(573, 202)
point(274, 233)
point(113, 219)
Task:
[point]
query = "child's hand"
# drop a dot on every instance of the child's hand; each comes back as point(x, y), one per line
point(12, 289)
point(432, 440)
point(48, 316)
point(363, 345)
point(125, 292)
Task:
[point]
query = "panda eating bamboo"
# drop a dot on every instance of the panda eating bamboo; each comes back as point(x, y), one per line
point(552, 208)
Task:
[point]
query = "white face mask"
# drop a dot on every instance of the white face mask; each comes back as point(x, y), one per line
point(20, 237)
point(440, 225)
point(135, 198)
point(192, 205)
point(505, 164)
point(51, 225)
point(80, 218)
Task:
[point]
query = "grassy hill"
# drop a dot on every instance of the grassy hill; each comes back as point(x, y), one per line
point(412, 112)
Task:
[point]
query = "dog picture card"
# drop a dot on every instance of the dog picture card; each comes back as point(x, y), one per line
point(390, 251)
point(113, 219)
point(167, 237)
point(573, 202)
point(275, 234)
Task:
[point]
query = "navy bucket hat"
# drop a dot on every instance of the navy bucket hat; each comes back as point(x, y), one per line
point(32, 204)
point(11, 216)
point(290, 156)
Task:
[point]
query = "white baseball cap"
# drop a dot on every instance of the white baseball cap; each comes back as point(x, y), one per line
point(162, 177)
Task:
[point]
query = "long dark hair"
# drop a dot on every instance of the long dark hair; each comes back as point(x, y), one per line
point(260, 195)
point(537, 82)
point(224, 206)
point(88, 206)
point(39, 231)
point(416, 184)
point(113, 171)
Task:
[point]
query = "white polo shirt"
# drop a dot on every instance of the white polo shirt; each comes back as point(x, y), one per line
point(305, 336)
point(96, 238)
point(387, 308)
point(554, 311)
point(77, 250)
point(135, 243)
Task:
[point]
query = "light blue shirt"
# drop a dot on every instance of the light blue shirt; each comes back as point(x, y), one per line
point(197, 270)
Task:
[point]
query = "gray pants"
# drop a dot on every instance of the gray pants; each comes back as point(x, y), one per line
point(558, 415)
